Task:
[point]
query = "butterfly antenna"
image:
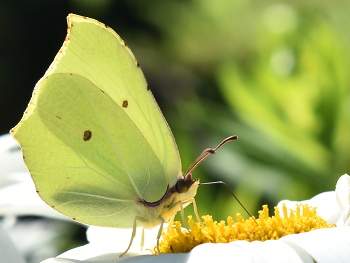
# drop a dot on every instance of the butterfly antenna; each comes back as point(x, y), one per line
point(204, 155)
point(245, 209)
point(207, 152)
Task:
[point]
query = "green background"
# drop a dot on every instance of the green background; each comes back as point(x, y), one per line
point(273, 73)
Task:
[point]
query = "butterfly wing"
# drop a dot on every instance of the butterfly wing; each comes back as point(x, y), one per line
point(93, 136)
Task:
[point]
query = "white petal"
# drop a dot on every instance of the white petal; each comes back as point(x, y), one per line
point(214, 252)
point(8, 252)
point(11, 161)
point(22, 199)
point(62, 260)
point(343, 198)
point(324, 245)
point(168, 258)
point(326, 203)
point(91, 253)
point(106, 244)
point(333, 206)
point(238, 251)
point(268, 251)
point(119, 238)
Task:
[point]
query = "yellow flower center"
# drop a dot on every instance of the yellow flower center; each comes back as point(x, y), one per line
point(303, 219)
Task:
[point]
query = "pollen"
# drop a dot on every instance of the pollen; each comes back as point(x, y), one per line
point(304, 218)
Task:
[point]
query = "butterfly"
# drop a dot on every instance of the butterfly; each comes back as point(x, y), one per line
point(95, 141)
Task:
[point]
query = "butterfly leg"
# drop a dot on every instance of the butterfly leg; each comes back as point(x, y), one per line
point(133, 234)
point(196, 212)
point(160, 232)
point(186, 203)
point(182, 212)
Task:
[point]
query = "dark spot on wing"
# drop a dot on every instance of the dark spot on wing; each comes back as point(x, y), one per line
point(125, 104)
point(87, 135)
point(58, 117)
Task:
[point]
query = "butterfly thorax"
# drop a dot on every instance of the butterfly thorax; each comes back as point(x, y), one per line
point(175, 199)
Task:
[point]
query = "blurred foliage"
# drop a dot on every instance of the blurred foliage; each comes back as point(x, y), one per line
point(274, 73)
